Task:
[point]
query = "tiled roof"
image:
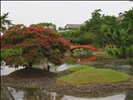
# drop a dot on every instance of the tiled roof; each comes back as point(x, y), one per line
point(69, 26)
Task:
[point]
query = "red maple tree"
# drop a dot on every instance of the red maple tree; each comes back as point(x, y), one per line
point(28, 45)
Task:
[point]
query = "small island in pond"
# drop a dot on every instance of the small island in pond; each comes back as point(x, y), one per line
point(75, 80)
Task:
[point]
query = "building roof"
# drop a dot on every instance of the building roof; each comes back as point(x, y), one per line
point(69, 26)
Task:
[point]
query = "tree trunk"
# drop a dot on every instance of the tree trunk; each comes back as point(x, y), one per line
point(48, 68)
point(30, 65)
point(111, 44)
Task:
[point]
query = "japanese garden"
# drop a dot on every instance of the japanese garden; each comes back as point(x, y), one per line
point(40, 48)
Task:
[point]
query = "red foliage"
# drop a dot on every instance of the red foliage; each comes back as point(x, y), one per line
point(36, 42)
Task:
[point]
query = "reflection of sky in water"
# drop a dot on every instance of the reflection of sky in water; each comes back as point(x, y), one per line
point(7, 70)
point(113, 97)
point(63, 67)
point(20, 93)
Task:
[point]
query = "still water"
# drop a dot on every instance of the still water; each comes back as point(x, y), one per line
point(34, 94)
point(99, 61)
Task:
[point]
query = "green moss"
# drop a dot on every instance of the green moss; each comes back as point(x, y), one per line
point(33, 87)
point(90, 75)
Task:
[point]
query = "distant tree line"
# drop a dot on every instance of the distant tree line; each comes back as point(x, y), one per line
point(111, 33)
point(108, 32)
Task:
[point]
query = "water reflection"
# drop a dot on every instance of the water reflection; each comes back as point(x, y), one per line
point(129, 95)
point(112, 97)
point(83, 59)
point(6, 70)
point(82, 56)
point(35, 94)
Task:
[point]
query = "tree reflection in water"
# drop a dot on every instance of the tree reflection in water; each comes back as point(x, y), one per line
point(34, 94)
point(129, 95)
point(83, 59)
point(82, 56)
point(38, 94)
point(41, 95)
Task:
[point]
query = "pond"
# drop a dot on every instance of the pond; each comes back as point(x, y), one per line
point(35, 94)
point(98, 59)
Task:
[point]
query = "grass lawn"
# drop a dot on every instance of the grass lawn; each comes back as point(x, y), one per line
point(88, 75)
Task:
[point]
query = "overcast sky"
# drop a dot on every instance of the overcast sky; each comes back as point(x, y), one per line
point(59, 13)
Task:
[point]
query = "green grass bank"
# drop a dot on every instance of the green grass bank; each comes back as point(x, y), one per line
point(82, 75)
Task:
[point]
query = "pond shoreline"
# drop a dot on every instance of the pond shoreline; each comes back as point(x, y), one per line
point(49, 83)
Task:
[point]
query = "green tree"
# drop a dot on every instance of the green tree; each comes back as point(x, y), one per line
point(89, 33)
point(47, 25)
point(123, 37)
point(92, 28)
point(29, 45)
point(108, 30)
point(5, 23)
point(72, 35)
point(96, 21)
point(126, 35)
